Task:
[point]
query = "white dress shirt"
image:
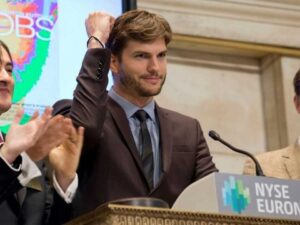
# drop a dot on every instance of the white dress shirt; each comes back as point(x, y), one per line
point(29, 171)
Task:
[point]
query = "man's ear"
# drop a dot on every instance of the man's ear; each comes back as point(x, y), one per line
point(114, 64)
point(297, 103)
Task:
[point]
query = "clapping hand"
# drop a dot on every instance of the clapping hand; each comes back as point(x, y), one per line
point(55, 133)
point(65, 158)
point(22, 137)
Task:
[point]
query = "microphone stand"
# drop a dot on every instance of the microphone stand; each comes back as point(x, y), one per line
point(214, 135)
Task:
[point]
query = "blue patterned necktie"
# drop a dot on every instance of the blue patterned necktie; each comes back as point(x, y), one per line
point(146, 153)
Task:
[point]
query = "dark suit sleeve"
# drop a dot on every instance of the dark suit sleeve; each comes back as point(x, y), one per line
point(88, 107)
point(204, 163)
point(89, 101)
point(9, 183)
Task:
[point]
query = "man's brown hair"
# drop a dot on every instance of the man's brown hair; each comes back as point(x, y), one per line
point(137, 25)
point(297, 83)
point(2, 44)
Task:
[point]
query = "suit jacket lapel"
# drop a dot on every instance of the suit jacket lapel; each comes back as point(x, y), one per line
point(14, 204)
point(121, 123)
point(165, 128)
point(166, 143)
point(35, 184)
point(292, 160)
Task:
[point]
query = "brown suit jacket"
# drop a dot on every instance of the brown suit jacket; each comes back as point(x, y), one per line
point(283, 163)
point(110, 166)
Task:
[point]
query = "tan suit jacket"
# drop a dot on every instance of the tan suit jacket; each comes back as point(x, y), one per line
point(283, 163)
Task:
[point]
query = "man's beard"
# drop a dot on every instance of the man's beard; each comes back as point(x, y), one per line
point(132, 84)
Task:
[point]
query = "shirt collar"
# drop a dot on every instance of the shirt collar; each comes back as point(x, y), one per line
point(130, 108)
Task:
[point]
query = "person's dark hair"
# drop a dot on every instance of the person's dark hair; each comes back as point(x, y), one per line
point(297, 83)
point(2, 44)
point(137, 25)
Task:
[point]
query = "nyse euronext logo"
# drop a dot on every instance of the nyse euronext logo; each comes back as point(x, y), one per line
point(235, 195)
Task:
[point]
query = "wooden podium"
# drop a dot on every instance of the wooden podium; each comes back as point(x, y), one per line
point(113, 214)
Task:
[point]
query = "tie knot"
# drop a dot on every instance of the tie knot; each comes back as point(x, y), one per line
point(141, 115)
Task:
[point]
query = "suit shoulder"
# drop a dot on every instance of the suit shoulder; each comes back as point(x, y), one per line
point(273, 163)
point(267, 160)
point(272, 155)
point(62, 107)
point(176, 115)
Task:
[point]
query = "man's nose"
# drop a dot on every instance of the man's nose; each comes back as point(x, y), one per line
point(153, 65)
point(4, 75)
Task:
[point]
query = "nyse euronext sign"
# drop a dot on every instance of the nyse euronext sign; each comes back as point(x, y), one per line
point(258, 196)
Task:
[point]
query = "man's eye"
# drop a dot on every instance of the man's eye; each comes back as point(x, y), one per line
point(9, 70)
point(141, 56)
point(162, 55)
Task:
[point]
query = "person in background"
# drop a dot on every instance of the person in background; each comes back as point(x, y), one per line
point(283, 163)
point(25, 192)
point(133, 147)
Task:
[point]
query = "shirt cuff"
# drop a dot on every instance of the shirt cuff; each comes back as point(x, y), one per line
point(10, 165)
point(29, 170)
point(70, 192)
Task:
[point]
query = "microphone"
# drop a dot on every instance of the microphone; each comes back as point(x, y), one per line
point(214, 135)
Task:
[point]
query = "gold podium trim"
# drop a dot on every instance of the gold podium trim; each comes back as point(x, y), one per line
point(112, 214)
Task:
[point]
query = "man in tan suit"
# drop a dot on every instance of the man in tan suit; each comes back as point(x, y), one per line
point(283, 163)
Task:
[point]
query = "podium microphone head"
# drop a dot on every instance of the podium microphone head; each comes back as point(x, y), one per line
point(214, 135)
